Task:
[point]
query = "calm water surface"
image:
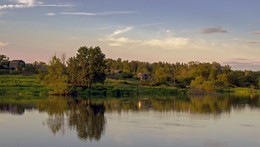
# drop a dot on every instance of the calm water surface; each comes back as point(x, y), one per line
point(196, 121)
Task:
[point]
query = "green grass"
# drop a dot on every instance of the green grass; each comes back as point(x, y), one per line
point(245, 91)
point(26, 86)
point(127, 88)
point(21, 85)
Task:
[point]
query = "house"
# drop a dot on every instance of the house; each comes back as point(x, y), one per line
point(16, 64)
point(143, 76)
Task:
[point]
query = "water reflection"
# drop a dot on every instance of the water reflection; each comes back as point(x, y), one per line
point(81, 115)
point(87, 117)
point(17, 109)
point(193, 104)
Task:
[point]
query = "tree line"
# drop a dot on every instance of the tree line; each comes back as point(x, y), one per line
point(200, 76)
point(90, 66)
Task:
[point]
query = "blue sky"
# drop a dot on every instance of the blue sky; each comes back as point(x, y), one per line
point(146, 30)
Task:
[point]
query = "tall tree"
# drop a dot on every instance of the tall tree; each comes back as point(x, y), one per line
point(87, 67)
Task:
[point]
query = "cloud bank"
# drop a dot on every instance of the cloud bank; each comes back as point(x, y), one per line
point(218, 29)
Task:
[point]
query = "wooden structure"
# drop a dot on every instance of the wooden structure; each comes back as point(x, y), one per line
point(16, 64)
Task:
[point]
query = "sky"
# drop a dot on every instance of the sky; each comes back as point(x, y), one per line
point(225, 31)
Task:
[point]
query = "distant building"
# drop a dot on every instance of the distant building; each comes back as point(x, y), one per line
point(143, 76)
point(16, 64)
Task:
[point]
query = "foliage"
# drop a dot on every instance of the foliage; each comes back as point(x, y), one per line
point(56, 78)
point(161, 76)
point(90, 67)
point(4, 61)
point(3, 58)
point(87, 67)
point(181, 75)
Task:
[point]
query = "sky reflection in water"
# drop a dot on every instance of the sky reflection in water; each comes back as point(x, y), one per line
point(208, 121)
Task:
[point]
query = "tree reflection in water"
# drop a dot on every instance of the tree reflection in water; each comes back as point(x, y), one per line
point(213, 105)
point(86, 118)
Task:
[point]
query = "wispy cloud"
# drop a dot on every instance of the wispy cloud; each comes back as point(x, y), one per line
point(112, 40)
point(99, 13)
point(29, 4)
point(78, 13)
point(255, 32)
point(3, 44)
point(13, 6)
point(252, 42)
point(218, 29)
point(50, 14)
point(19, 4)
point(235, 61)
point(170, 43)
point(243, 64)
point(55, 5)
point(251, 24)
point(117, 32)
point(121, 41)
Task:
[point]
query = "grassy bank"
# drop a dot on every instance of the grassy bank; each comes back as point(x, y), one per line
point(18, 85)
point(126, 88)
point(28, 86)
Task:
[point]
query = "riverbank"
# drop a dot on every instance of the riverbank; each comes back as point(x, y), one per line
point(18, 85)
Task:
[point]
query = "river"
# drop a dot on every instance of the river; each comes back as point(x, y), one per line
point(181, 121)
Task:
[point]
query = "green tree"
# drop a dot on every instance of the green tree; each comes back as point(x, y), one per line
point(209, 86)
point(197, 83)
point(87, 67)
point(236, 78)
point(4, 60)
point(56, 78)
point(161, 76)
